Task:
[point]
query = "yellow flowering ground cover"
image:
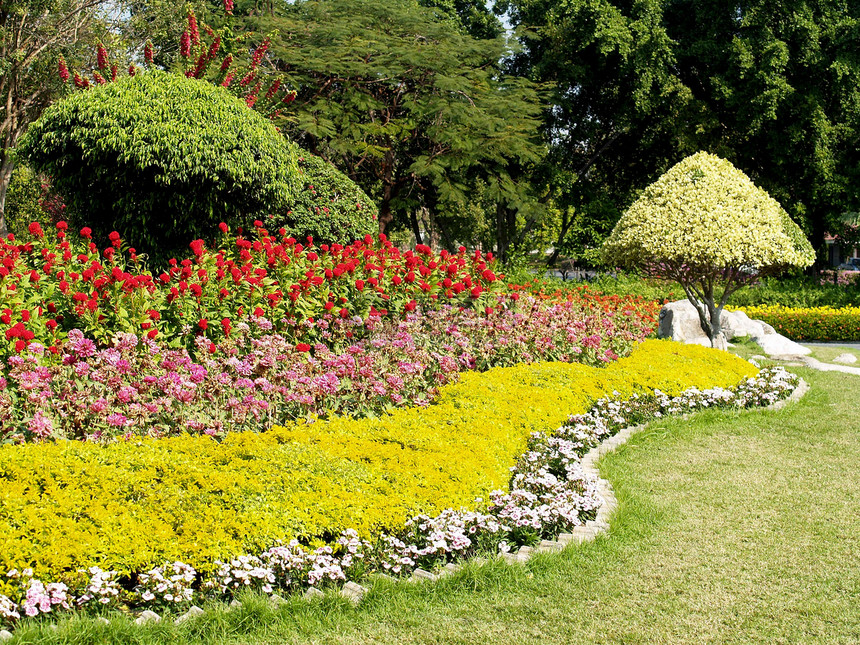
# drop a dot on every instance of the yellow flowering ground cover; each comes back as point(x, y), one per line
point(132, 505)
point(809, 323)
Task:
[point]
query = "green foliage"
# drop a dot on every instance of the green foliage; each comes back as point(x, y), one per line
point(772, 86)
point(23, 201)
point(161, 159)
point(798, 291)
point(326, 205)
point(413, 110)
point(707, 226)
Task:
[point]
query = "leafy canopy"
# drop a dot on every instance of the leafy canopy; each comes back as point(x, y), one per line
point(706, 212)
point(706, 225)
point(325, 205)
point(161, 158)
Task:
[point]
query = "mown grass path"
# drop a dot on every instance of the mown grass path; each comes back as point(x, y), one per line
point(732, 528)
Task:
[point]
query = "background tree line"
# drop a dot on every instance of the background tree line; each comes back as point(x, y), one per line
point(464, 133)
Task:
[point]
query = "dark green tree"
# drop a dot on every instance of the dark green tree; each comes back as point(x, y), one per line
point(775, 88)
point(34, 35)
point(772, 86)
point(411, 109)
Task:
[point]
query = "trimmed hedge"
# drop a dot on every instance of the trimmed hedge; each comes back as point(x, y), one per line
point(809, 323)
point(160, 158)
point(132, 505)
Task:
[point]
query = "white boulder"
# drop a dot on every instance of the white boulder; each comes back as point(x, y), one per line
point(679, 321)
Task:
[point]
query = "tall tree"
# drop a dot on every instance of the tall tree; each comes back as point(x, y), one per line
point(773, 86)
point(413, 110)
point(776, 89)
point(33, 36)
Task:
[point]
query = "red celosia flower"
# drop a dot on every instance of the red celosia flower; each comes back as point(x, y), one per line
point(51, 325)
point(98, 78)
point(35, 229)
point(197, 247)
point(213, 48)
point(113, 72)
point(147, 52)
point(132, 70)
point(359, 284)
point(203, 324)
point(152, 333)
point(410, 306)
point(303, 347)
point(228, 7)
point(86, 232)
point(185, 44)
point(226, 326)
point(64, 69)
point(193, 29)
point(102, 56)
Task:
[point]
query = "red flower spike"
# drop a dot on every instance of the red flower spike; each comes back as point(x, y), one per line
point(101, 56)
point(193, 29)
point(148, 52)
point(185, 44)
point(64, 69)
point(98, 78)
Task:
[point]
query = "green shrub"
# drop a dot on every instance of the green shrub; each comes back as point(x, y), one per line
point(160, 158)
point(22, 201)
point(326, 205)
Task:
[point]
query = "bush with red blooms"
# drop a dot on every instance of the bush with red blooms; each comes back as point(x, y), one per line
point(52, 283)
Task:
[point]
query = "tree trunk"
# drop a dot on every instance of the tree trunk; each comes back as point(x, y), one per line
point(5, 179)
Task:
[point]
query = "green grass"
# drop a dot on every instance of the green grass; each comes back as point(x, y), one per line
point(732, 528)
point(826, 354)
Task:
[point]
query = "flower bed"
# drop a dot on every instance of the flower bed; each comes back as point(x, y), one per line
point(129, 506)
point(810, 323)
point(141, 387)
point(51, 286)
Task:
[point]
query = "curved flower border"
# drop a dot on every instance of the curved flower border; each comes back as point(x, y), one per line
point(555, 488)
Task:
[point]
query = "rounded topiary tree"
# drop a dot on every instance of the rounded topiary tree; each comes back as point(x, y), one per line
point(707, 226)
point(161, 158)
point(325, 204)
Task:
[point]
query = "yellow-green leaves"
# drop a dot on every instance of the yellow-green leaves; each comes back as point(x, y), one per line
point(706, 212)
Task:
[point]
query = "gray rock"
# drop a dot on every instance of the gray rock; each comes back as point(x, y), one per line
point(451, 567)
point(5, 635)
point(421, 574)
point(679, 321)
point(313, 592)
point(510, 558)
point(103, 620)
point(550, 545)
point(192, 612)
point(524, 553)
point(235, 604)
point(277, 600)
point(565, 538)
point(147, 617)
point(845, 358)
point(778, 345)
point(353, 591)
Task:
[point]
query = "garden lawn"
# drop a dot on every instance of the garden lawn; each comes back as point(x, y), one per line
point(733, 527)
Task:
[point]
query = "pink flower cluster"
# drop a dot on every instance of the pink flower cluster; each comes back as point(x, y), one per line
point(358, 367)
